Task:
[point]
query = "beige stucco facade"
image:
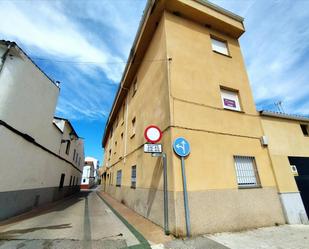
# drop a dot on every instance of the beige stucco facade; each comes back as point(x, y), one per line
point(176, 84)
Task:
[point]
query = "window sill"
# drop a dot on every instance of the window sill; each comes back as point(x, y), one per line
point(249, 187)
point(226, 55)
point(227, 109)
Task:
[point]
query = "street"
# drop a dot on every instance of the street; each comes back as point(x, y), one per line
point(83, 221)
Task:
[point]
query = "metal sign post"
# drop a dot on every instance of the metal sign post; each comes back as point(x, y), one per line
point(153, 135)
point(182, 148)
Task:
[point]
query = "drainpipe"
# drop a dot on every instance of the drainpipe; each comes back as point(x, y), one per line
point(4, 56)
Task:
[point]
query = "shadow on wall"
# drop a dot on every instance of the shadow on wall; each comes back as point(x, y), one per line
point(155, 180)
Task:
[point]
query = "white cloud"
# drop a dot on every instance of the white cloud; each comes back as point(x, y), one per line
point(47, 29)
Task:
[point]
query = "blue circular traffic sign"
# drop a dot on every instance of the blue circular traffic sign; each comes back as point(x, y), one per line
point(181, 147)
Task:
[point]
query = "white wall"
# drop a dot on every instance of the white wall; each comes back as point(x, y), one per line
point(28, 100)
point(26, 166)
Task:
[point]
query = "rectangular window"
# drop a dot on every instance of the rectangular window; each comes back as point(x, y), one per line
point(219, 46)
point(67, 149)
point(61, 181)
point(118, 179)
point(76, 157)
point(304, 129)
point(70, 181)
point(74, 154)
point(133, 176)
point(246, 171)
point(230, 100)
point(134, 87)
point(133, 126)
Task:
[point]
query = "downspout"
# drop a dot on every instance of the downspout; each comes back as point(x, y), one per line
point(4, 56)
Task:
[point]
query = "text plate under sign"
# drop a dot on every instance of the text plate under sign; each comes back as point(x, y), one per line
point(153, 148)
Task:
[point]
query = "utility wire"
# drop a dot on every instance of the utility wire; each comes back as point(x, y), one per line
point(93, 62)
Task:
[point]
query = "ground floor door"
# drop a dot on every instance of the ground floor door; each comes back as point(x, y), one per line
point(302, 180)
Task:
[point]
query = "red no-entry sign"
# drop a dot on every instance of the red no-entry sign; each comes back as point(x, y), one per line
point(153, 134)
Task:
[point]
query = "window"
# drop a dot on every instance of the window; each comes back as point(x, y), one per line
point(230, 100)
point(134, 87)
point(121, 135)
point(109, 153)
point(304, 129)
point(73, 180)
point(246, 171)
point(76, 157)
point(133, 126)
point(118, 179)
point(61, 181)
point(84, 180)
point(67, 149)
point(78, 161)
point(70, 181)
point(74, 154)
point(133, 176)
point(219, 46)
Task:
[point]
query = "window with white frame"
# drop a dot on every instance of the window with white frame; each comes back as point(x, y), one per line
point(118, 178)
point(246, 171)
point(219, 46)
point(230, 100)
point(133, 176)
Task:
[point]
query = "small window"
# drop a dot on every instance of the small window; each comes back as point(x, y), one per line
point(84, 180)
point(61, 181)
point(133, 126)
point(121, 135)
point(67, 149)
point(109, 153)
point(230, 100)
point(219, 46)
point(78, 161)
point(133, 176)
point(76, 157)
point(304, 129)
point(70, 181)
point(246, 171)
point(74, 154)
point(118, 179)
point(134, 87)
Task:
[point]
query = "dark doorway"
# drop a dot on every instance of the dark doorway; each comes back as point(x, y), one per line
point(302, 180)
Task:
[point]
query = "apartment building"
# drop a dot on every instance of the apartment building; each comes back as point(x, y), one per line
point(41, 156)
point(186, 74)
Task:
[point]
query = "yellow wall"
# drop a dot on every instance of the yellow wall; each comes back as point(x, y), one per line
point(285, 139)
point(215, 134)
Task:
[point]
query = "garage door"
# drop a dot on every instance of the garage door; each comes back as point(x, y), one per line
point(302, 180)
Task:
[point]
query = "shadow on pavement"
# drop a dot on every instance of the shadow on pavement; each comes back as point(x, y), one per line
point(11, 234)
point(50, 207)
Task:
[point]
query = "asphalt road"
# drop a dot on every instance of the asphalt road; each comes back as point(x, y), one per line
point(83, 221)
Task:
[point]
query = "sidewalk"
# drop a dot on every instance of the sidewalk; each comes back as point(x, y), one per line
point(152, 232)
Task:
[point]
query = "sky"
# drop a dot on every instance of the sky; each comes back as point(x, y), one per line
point(85, 44)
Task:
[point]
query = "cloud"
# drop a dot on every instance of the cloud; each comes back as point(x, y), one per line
point(275, 47)
point(86, 44)
point(48, 31)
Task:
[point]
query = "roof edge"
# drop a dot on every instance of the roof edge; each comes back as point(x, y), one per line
point(283, 116)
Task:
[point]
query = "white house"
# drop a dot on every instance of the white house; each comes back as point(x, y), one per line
point(41, 156)
point(89, 173)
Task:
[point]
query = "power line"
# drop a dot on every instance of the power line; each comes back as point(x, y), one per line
point(93, 62)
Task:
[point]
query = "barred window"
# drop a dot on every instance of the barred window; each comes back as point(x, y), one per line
point(247, 175)
point(133, 176)
point(118, 178)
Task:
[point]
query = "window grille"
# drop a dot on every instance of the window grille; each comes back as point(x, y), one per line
point(133, 176)
point(247, 175)
point(118, 179)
